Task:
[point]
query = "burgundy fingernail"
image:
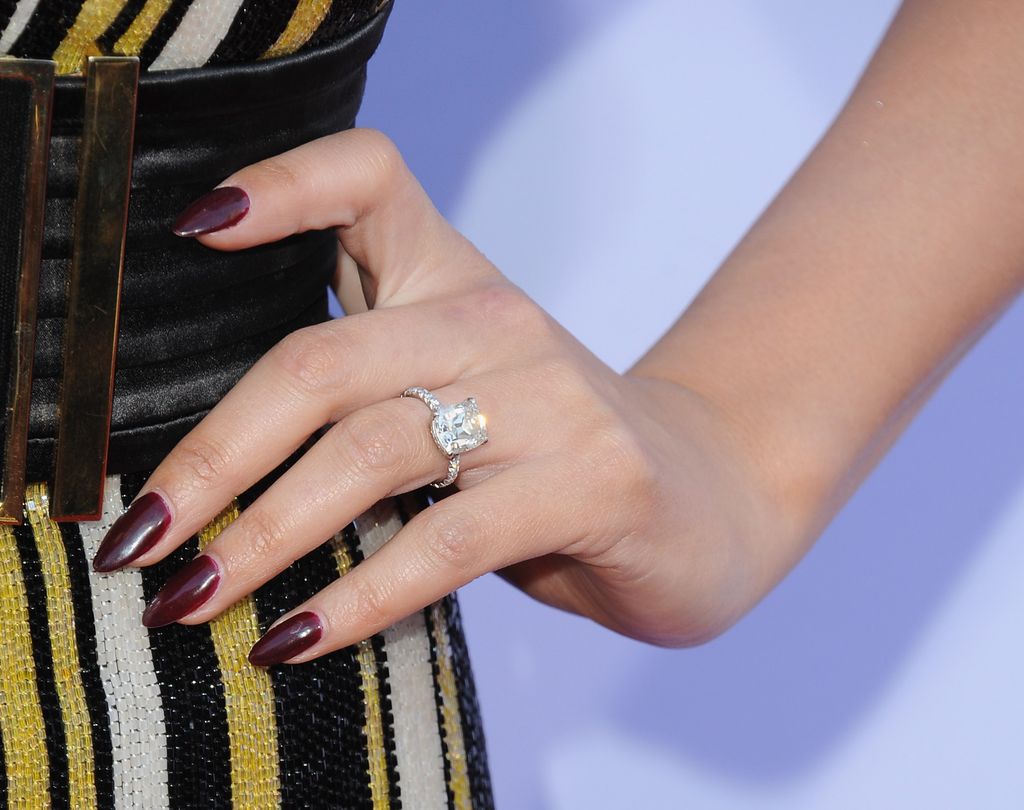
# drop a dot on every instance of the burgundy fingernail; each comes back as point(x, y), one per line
point(219, 209)
point(288, 639)
point(133, 533)
point(183, 592)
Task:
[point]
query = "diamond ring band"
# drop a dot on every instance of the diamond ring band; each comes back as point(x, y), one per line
point(455, 429)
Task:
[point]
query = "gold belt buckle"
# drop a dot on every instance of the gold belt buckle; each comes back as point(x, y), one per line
point(93, 288)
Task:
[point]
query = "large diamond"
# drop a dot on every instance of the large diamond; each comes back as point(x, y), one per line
point(459, 427)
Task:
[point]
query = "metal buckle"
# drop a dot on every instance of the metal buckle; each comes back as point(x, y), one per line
point(94, 286)
point(26, 90)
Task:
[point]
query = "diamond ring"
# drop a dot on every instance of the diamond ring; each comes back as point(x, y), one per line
point(455, 428)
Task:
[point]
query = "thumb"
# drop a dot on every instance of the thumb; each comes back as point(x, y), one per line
point(356, 182)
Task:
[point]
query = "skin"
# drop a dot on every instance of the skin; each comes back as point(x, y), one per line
point(669, 500)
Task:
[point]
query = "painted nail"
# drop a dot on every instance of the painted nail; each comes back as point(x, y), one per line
point(133, 533)
point(288, 639)
point(219, 209)
point(186, 590)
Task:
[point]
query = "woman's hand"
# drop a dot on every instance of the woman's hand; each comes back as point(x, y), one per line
point(623, 499)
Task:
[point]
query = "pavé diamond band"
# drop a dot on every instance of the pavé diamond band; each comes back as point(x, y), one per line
point(456, 428)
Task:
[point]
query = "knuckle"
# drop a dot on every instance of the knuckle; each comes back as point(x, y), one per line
point(379, 155)
point(308, 359)
point(278, 171)
point(452, 539)
point(203, 459)
point(369, 601)
point(507, 305)
point(376, 443)
point(264, 534)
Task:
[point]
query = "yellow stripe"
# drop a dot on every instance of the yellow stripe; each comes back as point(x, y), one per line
point(67, 673)
point(21, 717)
point(456, 748)
point(135, 38)
point(374, 725)
point(305, 20)
point(248, 695)
point(93, 19)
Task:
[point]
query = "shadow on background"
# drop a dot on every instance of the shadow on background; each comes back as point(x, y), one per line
point(778, 691)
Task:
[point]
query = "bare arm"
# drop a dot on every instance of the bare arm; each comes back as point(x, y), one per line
point(891, 250)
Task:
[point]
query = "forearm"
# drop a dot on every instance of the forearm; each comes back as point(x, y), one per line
point(889, 252)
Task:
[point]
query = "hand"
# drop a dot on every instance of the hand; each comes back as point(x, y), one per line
point(623, 499)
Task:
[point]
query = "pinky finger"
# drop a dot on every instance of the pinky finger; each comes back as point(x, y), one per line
point(503, 520)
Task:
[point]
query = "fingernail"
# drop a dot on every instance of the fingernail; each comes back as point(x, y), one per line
point(219, 209)
point(133, 533)
point(183, 592)
point(287, 639)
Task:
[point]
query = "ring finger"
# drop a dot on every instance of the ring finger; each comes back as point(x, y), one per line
point(379, 450)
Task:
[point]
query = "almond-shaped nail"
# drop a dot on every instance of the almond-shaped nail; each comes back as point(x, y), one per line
point(287, 639)
point(133, 533)
point(219, 209)
point(186, 590)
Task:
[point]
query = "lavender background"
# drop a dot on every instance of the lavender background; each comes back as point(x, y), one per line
point(607, 156)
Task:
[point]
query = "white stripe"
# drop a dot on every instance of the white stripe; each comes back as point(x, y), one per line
point(19, 19)
point(197, 37)
point(411, 678)
point(126, 667)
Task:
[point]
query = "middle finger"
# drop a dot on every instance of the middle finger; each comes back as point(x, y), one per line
point(314, 376)
point(377, 451)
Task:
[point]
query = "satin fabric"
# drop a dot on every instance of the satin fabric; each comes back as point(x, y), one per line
point(193, 319)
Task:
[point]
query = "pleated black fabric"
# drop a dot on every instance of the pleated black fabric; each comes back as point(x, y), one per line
point(193, 319)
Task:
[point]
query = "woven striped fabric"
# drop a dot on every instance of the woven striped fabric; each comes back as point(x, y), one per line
point(169, 34)
point(96, 711)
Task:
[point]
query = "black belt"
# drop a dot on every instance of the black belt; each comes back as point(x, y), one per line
point(192, 320)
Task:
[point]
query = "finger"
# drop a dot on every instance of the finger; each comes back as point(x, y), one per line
point(444, 547)
point(377, 451)
point(355, 181)
point(314, 376)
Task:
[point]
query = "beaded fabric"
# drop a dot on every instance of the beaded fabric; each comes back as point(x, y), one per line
point(97, 711)
point(170, 34)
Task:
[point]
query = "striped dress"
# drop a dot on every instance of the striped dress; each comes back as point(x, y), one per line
point(96, 710)
point(169, 34)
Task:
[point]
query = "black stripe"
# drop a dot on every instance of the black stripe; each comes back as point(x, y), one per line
point(198, 748)
point(256, 27)
point(88, 663)
point(318, 704)
point(42, 654)
point(46, 29)
point(162, 33)
point(469, 709)
point(439, 707)
point(383, 686)
point(344, 16)
point(122, 22)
